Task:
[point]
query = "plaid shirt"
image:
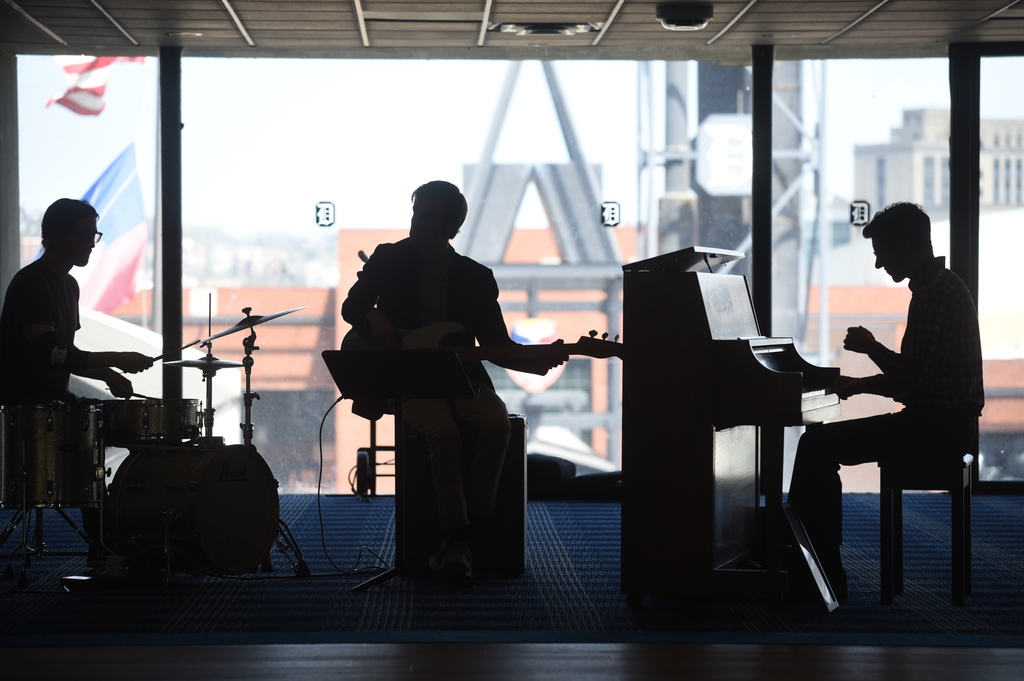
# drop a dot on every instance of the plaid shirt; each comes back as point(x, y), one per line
point(939, 364)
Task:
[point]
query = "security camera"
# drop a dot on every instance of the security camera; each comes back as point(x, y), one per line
point(685, 16)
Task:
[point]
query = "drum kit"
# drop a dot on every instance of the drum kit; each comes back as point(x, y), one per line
point(181, 499)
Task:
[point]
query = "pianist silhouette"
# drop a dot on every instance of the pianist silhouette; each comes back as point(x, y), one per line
point(936, 375)
point(419, 281)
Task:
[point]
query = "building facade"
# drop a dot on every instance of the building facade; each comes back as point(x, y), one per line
point(914, 164)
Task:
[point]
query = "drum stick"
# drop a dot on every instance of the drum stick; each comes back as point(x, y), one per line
point(145, 397)
point(160, 357)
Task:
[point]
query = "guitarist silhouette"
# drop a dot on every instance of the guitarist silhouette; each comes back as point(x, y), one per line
point(421, 281)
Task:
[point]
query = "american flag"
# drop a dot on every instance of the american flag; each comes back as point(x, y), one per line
point(87, 82)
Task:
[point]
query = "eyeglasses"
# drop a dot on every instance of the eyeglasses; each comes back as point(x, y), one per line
point(92, 236)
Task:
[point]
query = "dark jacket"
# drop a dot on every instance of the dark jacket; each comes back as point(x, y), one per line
point(390, 280)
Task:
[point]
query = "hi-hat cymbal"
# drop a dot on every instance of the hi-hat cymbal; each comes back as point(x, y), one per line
point(251, 321)
point(204, 363)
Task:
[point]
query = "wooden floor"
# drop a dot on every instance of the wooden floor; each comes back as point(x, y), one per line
point(514, 661)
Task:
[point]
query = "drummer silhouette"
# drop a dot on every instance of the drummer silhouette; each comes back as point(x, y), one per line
point(40, 318)
point(38, 324)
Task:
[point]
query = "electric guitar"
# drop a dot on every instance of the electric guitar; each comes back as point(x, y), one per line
point(437, 336)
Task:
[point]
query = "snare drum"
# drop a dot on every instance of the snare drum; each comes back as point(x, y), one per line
point(218, 508)
point(128, 422)
point(56, 449)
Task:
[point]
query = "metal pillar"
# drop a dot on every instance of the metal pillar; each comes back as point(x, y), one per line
point(964, 143)
point(10, 212)
point(170, 216)
point(677, 210)
point(763, 59)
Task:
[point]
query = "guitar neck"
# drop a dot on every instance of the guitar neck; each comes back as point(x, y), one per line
point(500, 352)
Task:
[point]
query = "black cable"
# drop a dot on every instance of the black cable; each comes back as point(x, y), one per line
point(319, 509)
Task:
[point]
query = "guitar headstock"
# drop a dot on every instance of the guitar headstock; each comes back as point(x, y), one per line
point(599, 348)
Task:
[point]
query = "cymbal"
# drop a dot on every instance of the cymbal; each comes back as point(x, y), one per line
point(251, 321)
point(204, 363)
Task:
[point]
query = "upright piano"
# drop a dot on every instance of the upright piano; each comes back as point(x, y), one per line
point(706, 400)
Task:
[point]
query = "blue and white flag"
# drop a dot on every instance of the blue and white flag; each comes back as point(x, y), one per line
point(111, 277)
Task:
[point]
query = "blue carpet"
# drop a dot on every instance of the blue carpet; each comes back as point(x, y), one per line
point(570, 591)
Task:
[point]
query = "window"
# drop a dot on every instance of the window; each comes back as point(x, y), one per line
point(1000, 307)
point(944, 201)
point(995, 180)
point(929, 181)
point(1009, 180)
point(1020, 182)
point(880, 182)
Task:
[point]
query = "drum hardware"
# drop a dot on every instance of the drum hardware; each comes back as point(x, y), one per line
point(38, 548)
point(215, 509)
point(137, 422)
point(168, 516)
point(249, 345)
point(52, 457)
point(248, 322)
point(287, 545)
point(209, 364)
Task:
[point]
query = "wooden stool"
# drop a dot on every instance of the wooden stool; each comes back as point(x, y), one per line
point(956, 480)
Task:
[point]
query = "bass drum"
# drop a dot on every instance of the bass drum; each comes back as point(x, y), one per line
point(63, 456)
point(217, 507)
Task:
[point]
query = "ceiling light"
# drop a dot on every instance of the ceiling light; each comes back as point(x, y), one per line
point(685, 16)
point(185, 34)
point(550, 28)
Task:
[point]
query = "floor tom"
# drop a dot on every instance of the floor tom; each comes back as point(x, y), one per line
point(54, 451)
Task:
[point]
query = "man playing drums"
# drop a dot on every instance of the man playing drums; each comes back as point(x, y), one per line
point(37, 333)
point(40, 318)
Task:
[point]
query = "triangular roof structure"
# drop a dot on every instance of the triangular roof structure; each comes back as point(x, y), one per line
point(569, 192)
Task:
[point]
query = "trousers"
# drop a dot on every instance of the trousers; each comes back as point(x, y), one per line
point(448, 426)
point(916, 437)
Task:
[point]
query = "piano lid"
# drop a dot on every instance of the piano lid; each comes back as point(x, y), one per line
point(693, 259)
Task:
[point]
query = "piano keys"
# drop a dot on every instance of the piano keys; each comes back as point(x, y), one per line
point(706, 400)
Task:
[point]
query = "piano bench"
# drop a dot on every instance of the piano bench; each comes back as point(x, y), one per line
point(954, 479)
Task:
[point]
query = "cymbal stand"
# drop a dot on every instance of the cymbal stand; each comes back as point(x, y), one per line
point(209, 371)
point(289, 547)
point(249, 344)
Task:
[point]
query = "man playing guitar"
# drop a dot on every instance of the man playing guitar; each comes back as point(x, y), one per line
point(420, 281)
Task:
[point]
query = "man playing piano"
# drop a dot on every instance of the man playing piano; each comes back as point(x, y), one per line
point(419, 281)
point(937, 376)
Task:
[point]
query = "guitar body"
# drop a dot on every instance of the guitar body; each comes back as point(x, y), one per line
point(424, 338)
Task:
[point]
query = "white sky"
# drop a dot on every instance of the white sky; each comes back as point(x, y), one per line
point(264, 140)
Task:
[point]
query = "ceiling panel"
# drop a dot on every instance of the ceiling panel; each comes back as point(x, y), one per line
point(799, 29)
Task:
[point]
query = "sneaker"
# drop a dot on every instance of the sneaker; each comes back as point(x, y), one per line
point(454, 562)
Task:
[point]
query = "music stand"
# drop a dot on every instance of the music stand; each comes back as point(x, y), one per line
point(397, 375)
